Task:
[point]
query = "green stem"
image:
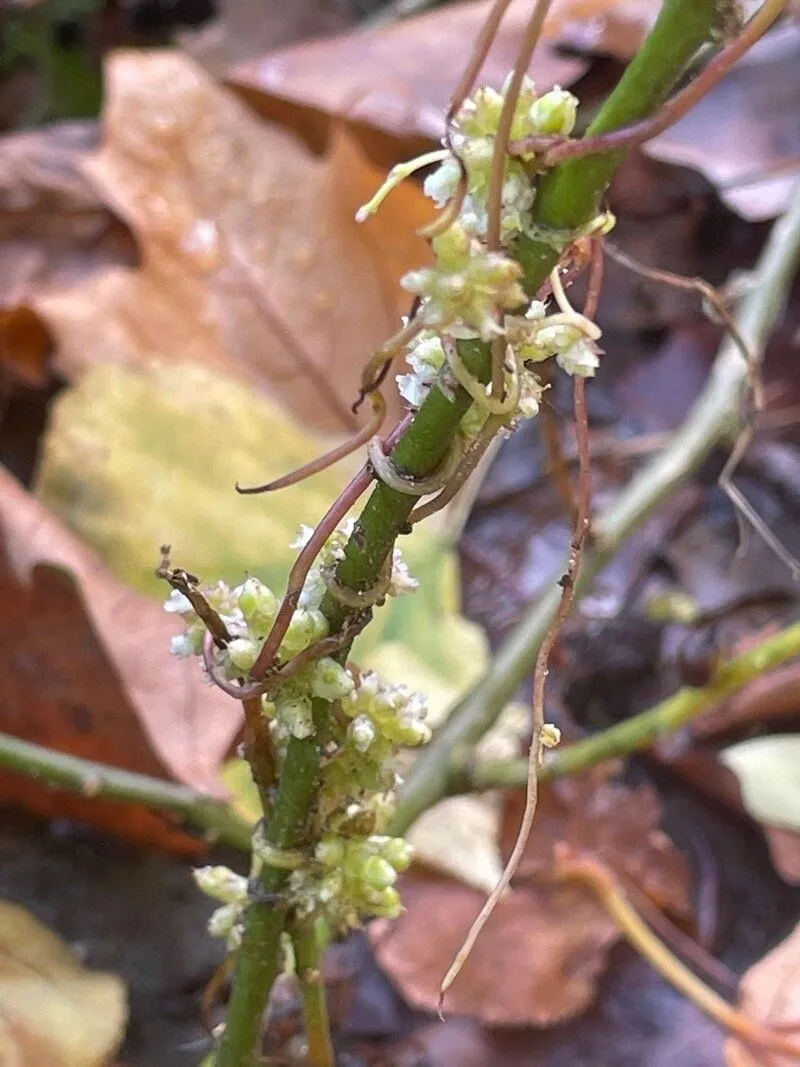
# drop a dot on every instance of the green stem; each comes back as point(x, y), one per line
point(310, 942)
point(96, 780)
point(258, 959)
point(563, 205)
point(641, 730)
point(682, 26)
point(569, 196)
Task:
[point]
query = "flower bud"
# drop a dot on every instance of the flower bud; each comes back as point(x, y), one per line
point(242, 652)
point(258, 604)
point(378, 873)
point(398, 852)
point(306, 627)
point(329, 852)
point(550, 735)
point(330, 680)
point(222, 884)
point(385, 903)
point(554, 113)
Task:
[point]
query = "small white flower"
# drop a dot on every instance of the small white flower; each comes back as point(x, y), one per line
point(222, 884)
point(304, 535)
point(177, 603)
point(580, 359)
point(442, 184)
point(182, 645)
point(402, 580)
point(536, 311)
point(362, 732)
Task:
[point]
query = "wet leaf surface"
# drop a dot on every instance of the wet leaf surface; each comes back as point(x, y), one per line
point(135, 458)
point(54, 232)
point(396, 80)
point(231, 217)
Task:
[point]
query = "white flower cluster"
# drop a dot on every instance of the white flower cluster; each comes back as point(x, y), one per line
point(466, 285)
point(249, 612)
point(569, 337)
point(473, 140)
point(350, 878)
point(230, 889)
point(359, 779)
point(352, 872)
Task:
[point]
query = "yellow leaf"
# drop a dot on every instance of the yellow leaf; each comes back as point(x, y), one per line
point(53, 1011)
point(134, 459)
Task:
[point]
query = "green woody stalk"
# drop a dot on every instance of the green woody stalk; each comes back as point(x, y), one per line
point(327, 727)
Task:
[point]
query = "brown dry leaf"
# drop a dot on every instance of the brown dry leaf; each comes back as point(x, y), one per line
point(596, 815)
point(535, 964)
point(53, 1011)
point(54, 231)
point(251, 260)
point(744, 136)
point(397, 80)
point(538, 959)
point(769, 994)
point(87, 670)
point(246, 28)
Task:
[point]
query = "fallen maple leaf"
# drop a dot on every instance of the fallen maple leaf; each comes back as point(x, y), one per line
point(88, 671)
point(246, 28)
point(770, 995)
point(540, 954)
point(251, 259)
point(53, 1011)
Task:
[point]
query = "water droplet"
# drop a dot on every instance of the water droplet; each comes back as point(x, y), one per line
point(201, 243)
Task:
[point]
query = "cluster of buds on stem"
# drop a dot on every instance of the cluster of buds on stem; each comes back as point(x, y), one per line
point(350, 873)
point(472, 291)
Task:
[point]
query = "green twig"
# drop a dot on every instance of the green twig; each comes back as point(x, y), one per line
point(682, 27)
point(109, 783)
point(716, 417)
point(642, 730)
point(96, 780)
point(258, 959)
point(310, 943)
